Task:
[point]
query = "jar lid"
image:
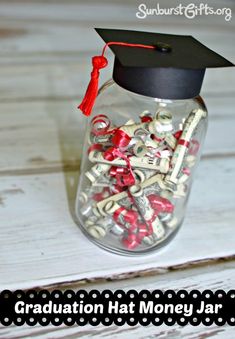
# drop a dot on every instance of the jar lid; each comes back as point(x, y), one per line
point(174, 69)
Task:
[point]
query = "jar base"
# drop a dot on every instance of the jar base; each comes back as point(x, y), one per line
point(132, 253)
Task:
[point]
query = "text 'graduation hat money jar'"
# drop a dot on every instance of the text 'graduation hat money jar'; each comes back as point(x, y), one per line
point(143, 140)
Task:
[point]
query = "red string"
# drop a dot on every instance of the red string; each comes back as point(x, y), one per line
point(99, 62)
point(126, 44)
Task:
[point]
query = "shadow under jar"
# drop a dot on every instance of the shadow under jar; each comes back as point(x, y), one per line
point(139, 158)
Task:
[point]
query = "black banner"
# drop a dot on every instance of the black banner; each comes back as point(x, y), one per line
point(118, 307)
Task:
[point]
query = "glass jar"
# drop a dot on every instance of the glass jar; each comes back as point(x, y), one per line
point(139, 157)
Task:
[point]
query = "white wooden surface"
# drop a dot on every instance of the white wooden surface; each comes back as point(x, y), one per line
point(45, 51)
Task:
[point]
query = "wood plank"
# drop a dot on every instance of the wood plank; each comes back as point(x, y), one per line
point(68, 81)
point(50, 28)
point(39, 136)
point(213, 277)
point(35, 220)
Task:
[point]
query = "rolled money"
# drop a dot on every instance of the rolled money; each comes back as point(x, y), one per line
point(101, 184)
point(89, 223)
point(166, 194)
point(139, 175)
point(92, 218)
point(111, 207)
point(177, 160)
point(142, 202)
point(170, 140)
point(161, 165)
point(103, 180)
point(161, 130)
point(87, 208)
point(149, 142)
point(131, 129)
point(83, 198)
point(172, 223)
point(158, 178)
point(98, 212)
point(149, 173)
point(164, 217)
point(117, 230)
point(158, 229)
point(183, 178)
point(141, 133)
point(164, 116)
point(156, 188)
point(155, 184)
point(190, 160)
point(99, 209)
point(124, 197)
point(99, 139)
point(180, 191)
point(105, 222)
point(146, 210)
point(139, 149)
point(96, 171)
point(96, 231)
point(149, 240)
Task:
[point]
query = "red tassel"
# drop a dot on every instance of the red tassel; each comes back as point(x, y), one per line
point(88, 101)
point(99, 62)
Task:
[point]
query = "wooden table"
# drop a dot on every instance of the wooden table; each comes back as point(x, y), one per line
point(45, 51)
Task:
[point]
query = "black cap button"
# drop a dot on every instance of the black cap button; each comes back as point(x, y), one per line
point(163, 47)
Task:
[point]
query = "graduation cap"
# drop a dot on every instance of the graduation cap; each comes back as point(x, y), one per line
point(156, 65)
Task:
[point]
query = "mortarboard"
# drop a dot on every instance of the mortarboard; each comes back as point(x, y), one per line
point(167, 67)
point(174, 70)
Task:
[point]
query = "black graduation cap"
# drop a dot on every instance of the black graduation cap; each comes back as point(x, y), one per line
point(174, 69)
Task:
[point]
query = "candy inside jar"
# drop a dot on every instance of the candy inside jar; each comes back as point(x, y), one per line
point(136, 175)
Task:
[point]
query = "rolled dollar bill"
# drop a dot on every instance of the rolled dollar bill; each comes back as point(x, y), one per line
point(96, 171)
point(170, 140)
point(172, 223)
point(99, 139)
point(181, 190)
point(140, 149)
point(164, 116)
point(121, 215)
point(83, 198)
point(96, 231)
point(190, 160)
point(146, 210)
point(86, 209)
point(158, 164)
point(180, 152)
point(142, 202)
point(99, 209)
point(123, 197)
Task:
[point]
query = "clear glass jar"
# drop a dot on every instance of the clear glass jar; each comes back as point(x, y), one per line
point(139, 157)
